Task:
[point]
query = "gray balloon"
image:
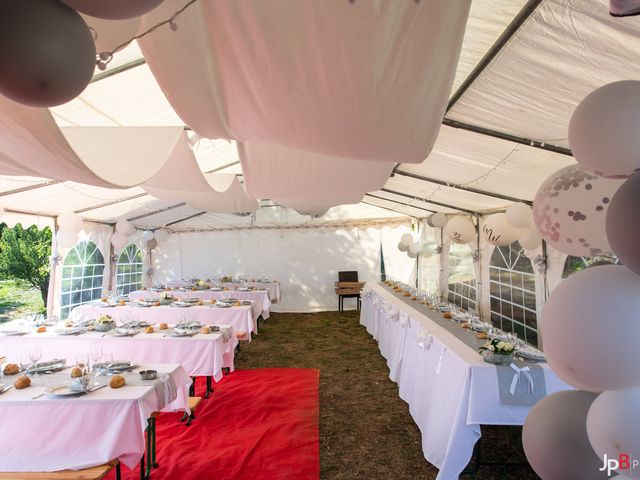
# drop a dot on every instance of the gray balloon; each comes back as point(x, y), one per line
point(623, 223)
point(555, 438)
point(151, 244)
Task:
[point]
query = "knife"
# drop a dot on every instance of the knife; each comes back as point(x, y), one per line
point(6, 389)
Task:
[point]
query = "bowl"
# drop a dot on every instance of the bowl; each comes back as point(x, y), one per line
point(497, 358)
point(105, 327)
point(148, 374)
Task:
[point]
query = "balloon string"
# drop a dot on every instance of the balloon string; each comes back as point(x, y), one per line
point(103, 58)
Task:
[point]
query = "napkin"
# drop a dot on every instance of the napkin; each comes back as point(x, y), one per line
point(165, 389)
point(523, 385)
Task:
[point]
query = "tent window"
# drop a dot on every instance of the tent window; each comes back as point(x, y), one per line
point(575, 264)
point(462, 282)
point(513, 293)
point(81, 276)
point(129, 270)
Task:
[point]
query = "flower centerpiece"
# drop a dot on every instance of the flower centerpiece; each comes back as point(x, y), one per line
point(498, 352)
point(104, 323)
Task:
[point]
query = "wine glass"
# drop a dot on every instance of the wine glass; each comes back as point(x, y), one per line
point(35, 354)
point(25, 363)
point(96, 354)
point(82, 359)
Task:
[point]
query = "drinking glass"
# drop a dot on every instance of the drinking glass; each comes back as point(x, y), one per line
point(25, 363)
point(35, 354)
point(96, 354)
point(82, 359)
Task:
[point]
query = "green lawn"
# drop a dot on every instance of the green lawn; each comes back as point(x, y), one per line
point(17, 300)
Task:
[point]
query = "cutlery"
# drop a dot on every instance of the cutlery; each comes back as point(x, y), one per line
point(6, 389)
point(38, 396)
point(97, 388)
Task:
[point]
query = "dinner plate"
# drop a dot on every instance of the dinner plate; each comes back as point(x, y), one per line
point(14, 332)
point(181, 304)
point(530, 353)
point(70, 331)
point(216, 289)
point(121, 332)
point(61, 391)
point(182, 334)
point(221, 305)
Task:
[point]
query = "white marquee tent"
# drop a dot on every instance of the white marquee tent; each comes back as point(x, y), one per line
point(378, 111)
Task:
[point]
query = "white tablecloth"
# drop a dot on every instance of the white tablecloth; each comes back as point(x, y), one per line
point(450, 390)
point(260, 298)
point(200, 355)
point(48, 434)
point(242, 318)
point(272, 287)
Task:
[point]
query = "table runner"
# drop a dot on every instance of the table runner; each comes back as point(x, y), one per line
point(48, 434)
point(272, 287)
point(240, 318)
point(450, 390)
point(200, 355)
point(260, 298)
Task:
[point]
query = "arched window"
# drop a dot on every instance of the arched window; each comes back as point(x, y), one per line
point(513, 293)
point(462, 282)
point(129, 270)
point(81, 276)
point(575, 264)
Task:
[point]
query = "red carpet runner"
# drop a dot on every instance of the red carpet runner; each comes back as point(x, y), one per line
point(258, 424)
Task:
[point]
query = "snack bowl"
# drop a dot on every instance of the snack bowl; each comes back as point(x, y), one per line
point(148, 374)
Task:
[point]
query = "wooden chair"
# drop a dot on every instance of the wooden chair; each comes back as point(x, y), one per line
point(91, 473)
point(348, 286)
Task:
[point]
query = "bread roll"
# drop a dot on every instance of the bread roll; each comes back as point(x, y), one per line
point(205, 330)
point(149, 329)
point(116, 381)
point(11, 369)
point(446, 315)
point(41, 329)
point(22, 382)
point(76, 372)
point(163, 326)
point(482, 335)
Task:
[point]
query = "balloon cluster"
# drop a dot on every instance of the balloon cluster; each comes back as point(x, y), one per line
point(589, 325)
point(69, 226)
point(151, 239)
point(47, 51)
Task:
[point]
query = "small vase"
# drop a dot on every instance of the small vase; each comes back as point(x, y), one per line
point(105, 327)
point(497, 358)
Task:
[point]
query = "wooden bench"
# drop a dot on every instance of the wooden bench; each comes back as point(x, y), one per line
point(193, 403)
point(92, 473)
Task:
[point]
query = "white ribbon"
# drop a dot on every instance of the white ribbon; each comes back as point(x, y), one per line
point(404, 319)
point(516, 377)
point(423, 338)
point(444, 350)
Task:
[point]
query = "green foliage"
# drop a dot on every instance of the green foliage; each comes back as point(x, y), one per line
point(24, 256)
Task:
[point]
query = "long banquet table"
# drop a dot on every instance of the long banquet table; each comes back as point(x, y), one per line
point(272, 287)
point(242, 318)
point(260, 298)
point(201, 355)
point(450, 390)
point(48, 434)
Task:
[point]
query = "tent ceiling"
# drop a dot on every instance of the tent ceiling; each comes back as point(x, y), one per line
point(561, 52)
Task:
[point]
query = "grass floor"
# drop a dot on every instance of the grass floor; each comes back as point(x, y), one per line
point(17, 300)
point(366, 431)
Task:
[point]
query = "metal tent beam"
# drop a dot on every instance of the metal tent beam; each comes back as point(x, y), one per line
point(440, 204)
point(30, 187)
point(116, 70)
point(506, 136)
point(399, 203)
point(495, 49)
point(156, 212)
point(460, 187)
point(185, 218)
point(112, 202)
point(384, 208)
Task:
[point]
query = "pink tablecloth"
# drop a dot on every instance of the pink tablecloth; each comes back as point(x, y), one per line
point(242, 319)
point(260, 298)
point(46, 434)
point(200, 355)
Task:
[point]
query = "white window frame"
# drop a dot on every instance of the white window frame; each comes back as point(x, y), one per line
point(96, 290)
point(124, 285)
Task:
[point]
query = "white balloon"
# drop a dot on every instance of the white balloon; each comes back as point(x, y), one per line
point(403, 247)
point(161, 235)
point(570, 209)
point(603, 130)
point(529, 238)
point(460, 230)
point(70, 221)
point(122, 226)
point(497, 230)
point(406, 238)
point(437, 219)
point(590, 330)
point(66, 238)
point(415, 247)
point(147, 235)
point(119, 240)
point(613, 426)
point(554, 438)
point(519, 215)
point(411, 254)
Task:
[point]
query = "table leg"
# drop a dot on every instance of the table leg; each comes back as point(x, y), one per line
point(209, 387)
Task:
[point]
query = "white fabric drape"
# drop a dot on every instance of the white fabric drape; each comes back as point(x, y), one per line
point(368, 80)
